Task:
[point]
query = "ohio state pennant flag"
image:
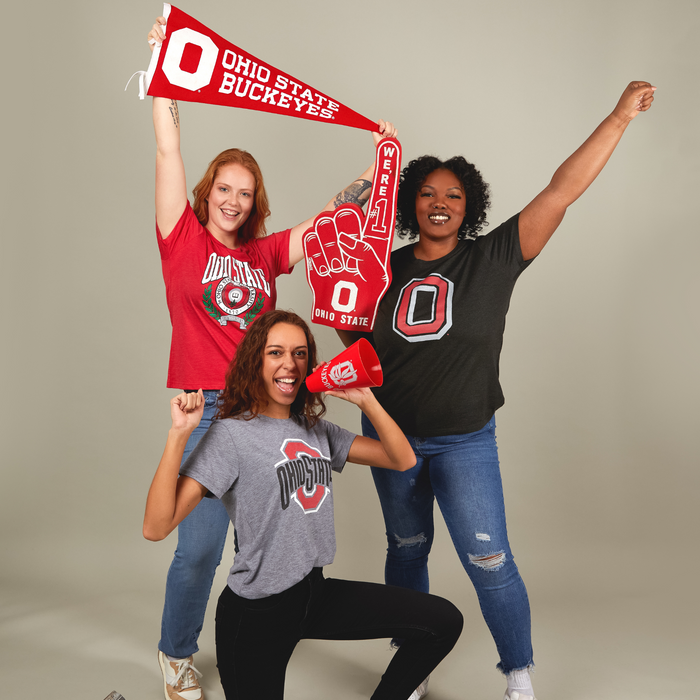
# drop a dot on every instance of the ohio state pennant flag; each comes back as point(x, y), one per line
point(196, 65)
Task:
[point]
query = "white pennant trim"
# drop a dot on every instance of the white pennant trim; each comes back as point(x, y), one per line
point(146, 76)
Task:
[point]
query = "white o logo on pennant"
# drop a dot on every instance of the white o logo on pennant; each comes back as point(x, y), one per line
point(207, 61)
point(352, 296)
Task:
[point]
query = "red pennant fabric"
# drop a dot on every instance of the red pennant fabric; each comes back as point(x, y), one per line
point(196, 65)
point(347, 257)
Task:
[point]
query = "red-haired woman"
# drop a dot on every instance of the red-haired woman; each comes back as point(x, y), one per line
point(269, 457)
point(219, 269)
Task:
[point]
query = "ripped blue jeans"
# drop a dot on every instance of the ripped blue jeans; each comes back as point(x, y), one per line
point(462, 472)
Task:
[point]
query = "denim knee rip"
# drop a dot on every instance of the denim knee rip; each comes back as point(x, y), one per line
point(488, 562)
point(420, 538)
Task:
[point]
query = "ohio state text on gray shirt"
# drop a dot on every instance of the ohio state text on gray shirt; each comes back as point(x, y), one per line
point(275, 479)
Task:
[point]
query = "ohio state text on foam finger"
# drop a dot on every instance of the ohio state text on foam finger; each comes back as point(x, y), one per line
point(194, 64)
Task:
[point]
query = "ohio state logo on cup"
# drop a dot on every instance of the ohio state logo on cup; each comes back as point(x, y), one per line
point(356, 367)
point(343, 374)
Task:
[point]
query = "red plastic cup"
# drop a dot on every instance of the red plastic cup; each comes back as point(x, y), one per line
point(356, 367)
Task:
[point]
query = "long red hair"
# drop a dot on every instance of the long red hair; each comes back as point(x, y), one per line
point(254, 225)
point(245, 393)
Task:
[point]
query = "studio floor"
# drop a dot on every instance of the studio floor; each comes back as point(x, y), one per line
point(80, 632)
point(598, 439)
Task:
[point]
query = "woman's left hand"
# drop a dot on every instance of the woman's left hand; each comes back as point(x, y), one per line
point(353, 395)
point(636, 98)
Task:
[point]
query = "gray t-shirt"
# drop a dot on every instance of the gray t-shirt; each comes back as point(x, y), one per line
point(274, 478)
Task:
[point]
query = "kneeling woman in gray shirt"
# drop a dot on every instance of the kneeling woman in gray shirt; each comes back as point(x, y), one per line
point(269, 457)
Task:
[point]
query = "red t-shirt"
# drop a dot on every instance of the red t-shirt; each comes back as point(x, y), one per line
point(214, 294)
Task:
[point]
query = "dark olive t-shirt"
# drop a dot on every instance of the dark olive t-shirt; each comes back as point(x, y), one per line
point(439, 333)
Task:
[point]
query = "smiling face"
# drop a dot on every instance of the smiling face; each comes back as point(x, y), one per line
point(285, 361)
point(230, 202)
point(440, 206)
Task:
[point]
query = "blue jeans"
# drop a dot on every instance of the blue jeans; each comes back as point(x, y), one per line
point(200, 543)
point(462, 473)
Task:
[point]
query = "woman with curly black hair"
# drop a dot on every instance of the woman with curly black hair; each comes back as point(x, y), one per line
point(438, 334)
point(475, 194)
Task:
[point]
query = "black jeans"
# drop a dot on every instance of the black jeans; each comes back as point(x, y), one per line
point(255, 638)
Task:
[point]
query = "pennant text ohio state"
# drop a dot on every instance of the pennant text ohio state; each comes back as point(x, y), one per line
point(196, 65)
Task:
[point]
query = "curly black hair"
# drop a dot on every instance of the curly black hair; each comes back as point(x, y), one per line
point(476, 193)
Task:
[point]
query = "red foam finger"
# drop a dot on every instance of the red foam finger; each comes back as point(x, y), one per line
point(349, 222)
point(379, 227)
point(327, 234)
point(313, 250)
point(361, 259)
point(358, 251)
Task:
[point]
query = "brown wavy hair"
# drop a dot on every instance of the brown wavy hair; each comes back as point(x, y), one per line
point(245, 393)
point(254, 225)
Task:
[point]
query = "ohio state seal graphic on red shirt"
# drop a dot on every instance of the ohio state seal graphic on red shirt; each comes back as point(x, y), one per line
point(304, 476)
point(237, 291)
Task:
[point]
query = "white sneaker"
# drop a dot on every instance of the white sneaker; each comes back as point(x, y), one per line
point(515, 695)
point(420, 691)
point(180, 679)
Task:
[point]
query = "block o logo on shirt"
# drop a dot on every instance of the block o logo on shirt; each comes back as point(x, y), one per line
point(424, 309)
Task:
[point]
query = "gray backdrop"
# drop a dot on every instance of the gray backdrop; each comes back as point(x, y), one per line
point(598, 437)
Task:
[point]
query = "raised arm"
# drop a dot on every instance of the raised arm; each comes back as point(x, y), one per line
point(542, 216)
point(171, 187)
point(392, 450)
point(171, 497)
point(357, 192)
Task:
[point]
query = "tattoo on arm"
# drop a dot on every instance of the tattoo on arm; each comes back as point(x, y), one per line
point(357, 193)
point(175, 113)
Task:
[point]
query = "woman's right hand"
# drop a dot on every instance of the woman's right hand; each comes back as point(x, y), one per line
point(186, 410)
point(171, 498)
point(157, 33)
point(386, 130)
